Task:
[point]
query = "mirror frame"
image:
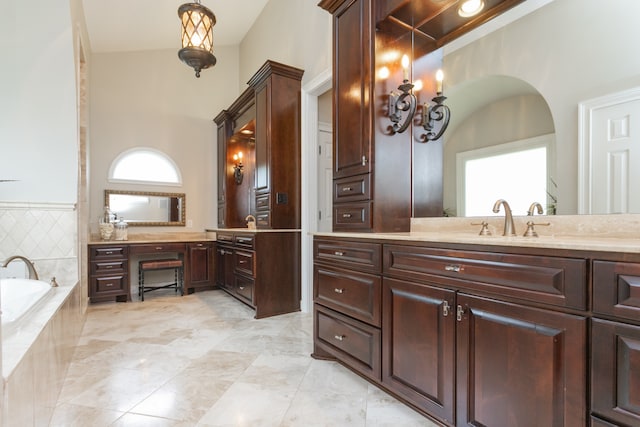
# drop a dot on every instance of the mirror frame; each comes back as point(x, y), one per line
point(179, 223)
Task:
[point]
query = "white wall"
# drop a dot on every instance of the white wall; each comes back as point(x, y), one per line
point(151, 99)
point(293, 32)
point(570, 51)
point(38, 123)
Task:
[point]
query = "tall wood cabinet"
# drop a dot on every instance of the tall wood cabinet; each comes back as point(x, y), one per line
point(380, 177)
point(263, 124)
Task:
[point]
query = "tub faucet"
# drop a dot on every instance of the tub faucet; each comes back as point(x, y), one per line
point(532, 208)
point(32, 269)
point(509, 228)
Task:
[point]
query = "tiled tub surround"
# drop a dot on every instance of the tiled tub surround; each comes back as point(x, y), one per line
point(37, 353)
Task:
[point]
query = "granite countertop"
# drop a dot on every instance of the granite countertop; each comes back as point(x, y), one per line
point(607, 233)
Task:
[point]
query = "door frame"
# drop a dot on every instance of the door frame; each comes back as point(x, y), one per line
point(309, 97)
point(586, 110)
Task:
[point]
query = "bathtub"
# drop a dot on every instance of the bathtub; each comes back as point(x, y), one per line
point(18, 297)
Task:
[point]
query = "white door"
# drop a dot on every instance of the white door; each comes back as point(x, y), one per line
point(325, 177)
point(613, 147)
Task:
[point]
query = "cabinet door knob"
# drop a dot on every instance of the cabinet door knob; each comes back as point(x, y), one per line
point(459, 313)
point(339, 337)
point(445, 308)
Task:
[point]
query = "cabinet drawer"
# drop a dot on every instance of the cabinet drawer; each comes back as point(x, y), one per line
point(109, 284)
point(358, 295)
point(355, 343)
point(615, 372)
point(550, 280)
point(106, 252)
point(244, 262)
point(263, 219)
point(360, 255)
point(353, 188)
point(109, 267)
point(244, 288)
point(352, 216)
point(263, 202)
point(616, 289)
point(224, 238)
point(244, 241)
point(158, 247)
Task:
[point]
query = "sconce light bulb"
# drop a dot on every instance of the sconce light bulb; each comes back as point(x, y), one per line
point(240, 155)
point(417, 85)
point(405, 67)
point(384, 73)
point(439, 79)
point(235, 157)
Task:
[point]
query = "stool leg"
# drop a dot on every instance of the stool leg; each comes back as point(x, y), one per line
point(141, 284)
point(181, 273)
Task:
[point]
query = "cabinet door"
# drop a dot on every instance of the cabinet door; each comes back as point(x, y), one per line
point(353, 80)
point(200, 264)
point(263, 138)
point(615, 371)
point(222, 169)
point(519, 366)
point(224, 267)
point(418, 349)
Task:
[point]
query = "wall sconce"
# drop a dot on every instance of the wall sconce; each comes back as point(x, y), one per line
point(435, 113)
point(197, 36)
point(237, 168)
point(402, 100)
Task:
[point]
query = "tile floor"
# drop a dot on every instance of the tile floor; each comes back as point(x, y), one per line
point(202, 360)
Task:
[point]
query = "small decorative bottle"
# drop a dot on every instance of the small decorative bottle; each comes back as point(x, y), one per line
point(105, 224)
point(122, 232)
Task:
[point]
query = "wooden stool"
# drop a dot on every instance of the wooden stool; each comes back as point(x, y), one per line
point(161, 264)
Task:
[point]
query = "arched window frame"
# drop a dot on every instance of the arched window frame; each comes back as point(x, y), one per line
point(136, 150)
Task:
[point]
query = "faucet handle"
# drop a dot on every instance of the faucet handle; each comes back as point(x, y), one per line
point(531, 232)
point(485, 229)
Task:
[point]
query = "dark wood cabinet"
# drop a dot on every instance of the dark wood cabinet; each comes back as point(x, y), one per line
point(419, 345)
point(519, 366)
point(109, 273)
point(466, 336)
point(376, 184)
point(261, 269)
point(263, 124)
point(201, 262)
point(615, 343)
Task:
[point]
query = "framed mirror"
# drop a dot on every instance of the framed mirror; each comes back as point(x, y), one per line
point(146, 208)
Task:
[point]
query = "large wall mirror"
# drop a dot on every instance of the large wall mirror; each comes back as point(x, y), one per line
point(145, 208)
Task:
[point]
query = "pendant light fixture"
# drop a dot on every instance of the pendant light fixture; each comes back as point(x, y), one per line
point(197, 36)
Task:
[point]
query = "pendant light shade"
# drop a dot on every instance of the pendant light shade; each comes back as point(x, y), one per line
point(197, 36)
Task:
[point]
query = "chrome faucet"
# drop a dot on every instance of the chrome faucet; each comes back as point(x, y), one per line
point(509, 228)
point(32, 269)
point(251, 222)
point(532, 208)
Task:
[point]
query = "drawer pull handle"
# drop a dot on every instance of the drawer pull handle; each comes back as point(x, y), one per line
point(199, 245)
point(338, 253)
point(454, 267)
point(109, 266)
point(158, 248)
point(243, 261)
point(109, 285)
point(340, 337)
point(459, 313)
point(241, 288)
point(338, 290)
point(108, 252)
point(445, 308)
point(346, 188)
point(346, 215)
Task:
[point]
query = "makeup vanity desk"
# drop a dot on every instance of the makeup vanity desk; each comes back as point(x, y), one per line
point(111, 269)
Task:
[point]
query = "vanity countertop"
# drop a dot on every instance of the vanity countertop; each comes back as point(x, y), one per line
point(141, 238)
point(607, 233)
point(255, 230)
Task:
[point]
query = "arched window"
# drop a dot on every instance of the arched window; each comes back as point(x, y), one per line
point(145, 165)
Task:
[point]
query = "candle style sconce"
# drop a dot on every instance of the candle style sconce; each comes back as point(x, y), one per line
point(237, 168)
point(402, 100)
point(438, 112)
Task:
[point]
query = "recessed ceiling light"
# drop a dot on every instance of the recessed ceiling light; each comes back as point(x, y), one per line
point(470, 8)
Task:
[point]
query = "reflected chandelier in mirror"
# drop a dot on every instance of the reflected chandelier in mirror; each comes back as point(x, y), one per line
point(145, 208)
